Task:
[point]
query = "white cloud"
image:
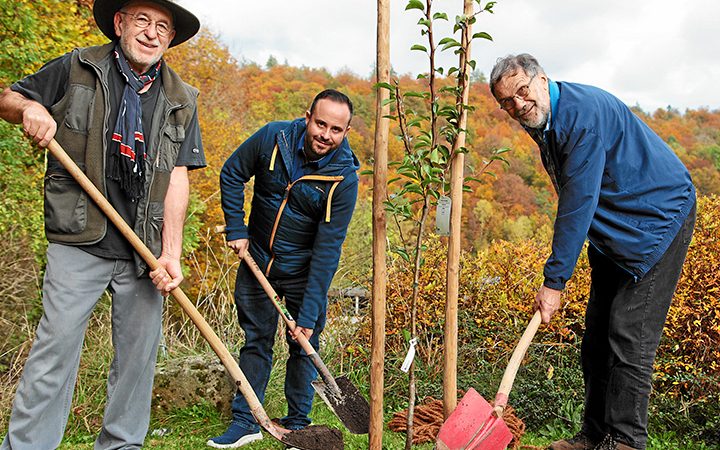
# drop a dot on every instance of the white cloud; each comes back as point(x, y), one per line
point(651, 53)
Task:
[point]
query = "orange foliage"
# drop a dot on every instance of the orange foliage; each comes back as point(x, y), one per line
point(497, 290)
point(689, 355)
point(237, 98)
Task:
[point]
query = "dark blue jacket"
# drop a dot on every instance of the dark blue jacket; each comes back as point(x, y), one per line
point(618, 184)
point(296, 229)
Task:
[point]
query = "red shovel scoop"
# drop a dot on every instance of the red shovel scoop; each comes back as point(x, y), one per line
point(475, 425)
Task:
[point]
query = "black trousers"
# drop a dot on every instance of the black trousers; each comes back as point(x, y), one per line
point(623, 325)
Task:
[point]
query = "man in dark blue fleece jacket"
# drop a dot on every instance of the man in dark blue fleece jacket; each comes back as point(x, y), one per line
point(621, 187)
point(305, 189)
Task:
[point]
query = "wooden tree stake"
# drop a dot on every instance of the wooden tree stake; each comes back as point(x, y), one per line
point(379, 229)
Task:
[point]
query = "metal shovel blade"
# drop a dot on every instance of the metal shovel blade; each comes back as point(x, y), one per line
point(348, 404)
point(473, 426)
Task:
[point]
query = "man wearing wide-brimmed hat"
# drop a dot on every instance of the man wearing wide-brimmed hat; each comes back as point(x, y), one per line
point(131, 124)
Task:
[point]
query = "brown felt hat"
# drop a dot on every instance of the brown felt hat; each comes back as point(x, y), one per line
point(184, 22)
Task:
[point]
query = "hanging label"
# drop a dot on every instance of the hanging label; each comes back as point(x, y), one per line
point(410, 356)
point(442, 217)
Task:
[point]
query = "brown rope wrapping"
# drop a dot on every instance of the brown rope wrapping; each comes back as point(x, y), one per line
point(428, 418)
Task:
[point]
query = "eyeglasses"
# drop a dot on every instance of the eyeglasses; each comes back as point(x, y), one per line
point(508, 103)
point(142, 21)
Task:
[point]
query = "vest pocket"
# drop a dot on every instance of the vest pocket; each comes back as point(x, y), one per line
point(155, 221)
point(77, 116)
point(65, 205)
point(172, 138)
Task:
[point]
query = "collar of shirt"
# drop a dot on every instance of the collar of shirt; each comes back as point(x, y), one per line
point(537, 135)
point(554, 97)
point(302, 167)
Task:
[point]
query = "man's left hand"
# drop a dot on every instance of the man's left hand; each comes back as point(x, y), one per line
point(168, 275)
point(296, 332)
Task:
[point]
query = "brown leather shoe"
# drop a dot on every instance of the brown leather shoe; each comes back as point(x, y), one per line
point(609, 443)
point(578, 442)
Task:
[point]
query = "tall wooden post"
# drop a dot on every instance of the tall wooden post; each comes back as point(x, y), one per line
point(377, 361)
point(453, 260)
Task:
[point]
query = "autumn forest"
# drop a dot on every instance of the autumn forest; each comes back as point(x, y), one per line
point(508, 211)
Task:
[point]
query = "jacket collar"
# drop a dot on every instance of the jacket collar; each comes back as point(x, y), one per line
point(339, 160)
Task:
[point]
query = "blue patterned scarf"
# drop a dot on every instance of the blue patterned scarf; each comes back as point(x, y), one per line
point(126, 164)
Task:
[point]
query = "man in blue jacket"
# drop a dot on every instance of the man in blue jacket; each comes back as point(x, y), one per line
point(305, 189)
point(621, 187)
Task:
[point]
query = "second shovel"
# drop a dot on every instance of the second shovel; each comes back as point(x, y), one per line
point(339, 393)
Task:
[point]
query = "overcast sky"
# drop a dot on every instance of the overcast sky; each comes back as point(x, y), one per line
point(651, 53)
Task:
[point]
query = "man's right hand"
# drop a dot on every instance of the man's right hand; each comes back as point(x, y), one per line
point(548, 302)
point(38, 123)
point(239, 246)
point(34, 117)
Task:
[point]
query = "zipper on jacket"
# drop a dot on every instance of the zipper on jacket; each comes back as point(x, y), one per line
point(286, 196)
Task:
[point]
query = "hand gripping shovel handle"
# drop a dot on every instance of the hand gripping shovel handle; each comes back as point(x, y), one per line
point(501, 398)
point(290, 322)
point(215, 343)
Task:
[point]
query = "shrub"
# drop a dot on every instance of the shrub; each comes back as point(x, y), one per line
point(497, 292)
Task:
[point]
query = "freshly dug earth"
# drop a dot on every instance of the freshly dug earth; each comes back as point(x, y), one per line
point(315, 437)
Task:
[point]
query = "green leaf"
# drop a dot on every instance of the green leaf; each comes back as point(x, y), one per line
point(422, 48)
point(415, 94)
point(472, 63)
point(452, 44)
point(415, 4)
point(425, 22)
point(387, 101)
point(445, 40)
point(385, 85)
point(367, 172)
point(482, 35)
point(438, 15)
point(435, 156)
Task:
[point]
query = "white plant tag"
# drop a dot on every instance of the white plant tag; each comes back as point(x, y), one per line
point(410, 356)
point(442, 217)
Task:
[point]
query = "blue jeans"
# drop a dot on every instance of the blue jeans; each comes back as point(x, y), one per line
point(258, 318)
point(623, 325)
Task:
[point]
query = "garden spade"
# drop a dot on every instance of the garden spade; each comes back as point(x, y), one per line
point(339, 393)
point(475, 425)
point(310, 438)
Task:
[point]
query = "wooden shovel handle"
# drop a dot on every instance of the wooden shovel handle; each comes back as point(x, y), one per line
point(207, 332)
point(291, 324)
point(518, 354)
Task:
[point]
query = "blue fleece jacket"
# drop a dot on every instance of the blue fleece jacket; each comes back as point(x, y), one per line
point(618, 183)
point(296, 227)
